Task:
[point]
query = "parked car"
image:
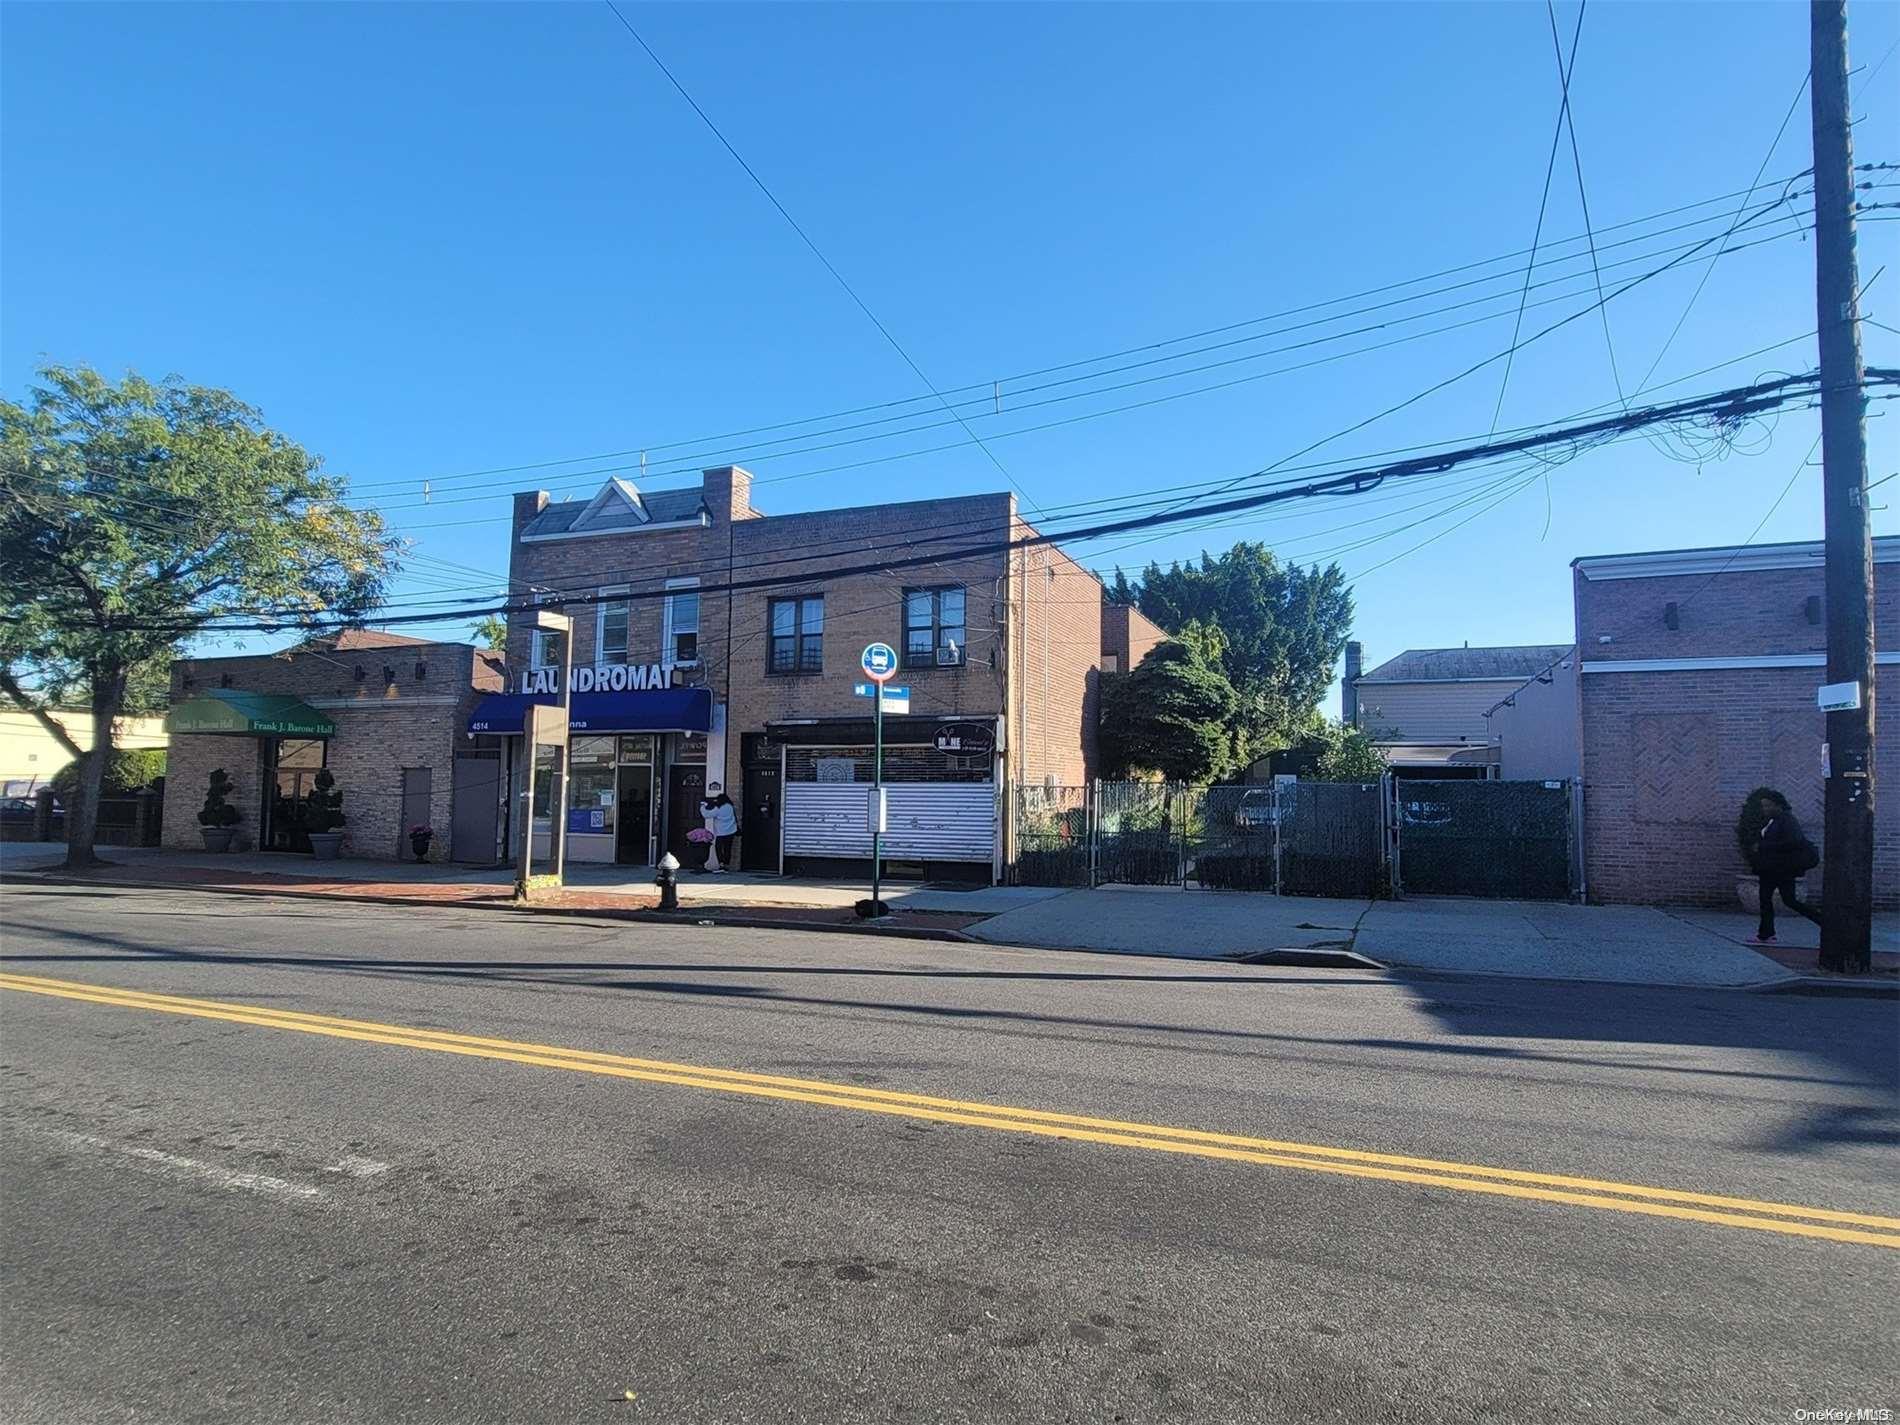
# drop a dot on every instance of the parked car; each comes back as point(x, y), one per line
point(17, 809)
point(1257, 810)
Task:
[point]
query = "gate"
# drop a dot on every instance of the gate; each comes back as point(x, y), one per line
point(1052, 836)
point(1332, 838)
point(1140, 832)
point(1509, 840)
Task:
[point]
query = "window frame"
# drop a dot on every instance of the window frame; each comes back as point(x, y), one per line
point(608, 601)
point(799, 637)
point(935, 592)
point(668, 633)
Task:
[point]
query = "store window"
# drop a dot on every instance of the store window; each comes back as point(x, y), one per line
point(798, 635)
point(689, 747)
point(934, 631)
point(610, 627)
point(590, 790)
point(680, 634)
point(637, 748)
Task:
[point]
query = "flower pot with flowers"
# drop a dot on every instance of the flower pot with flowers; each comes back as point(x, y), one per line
point(701, 841)
point(420, 835)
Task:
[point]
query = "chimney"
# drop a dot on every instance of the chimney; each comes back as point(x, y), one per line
point(1348, 684)
point(528, 504)
point(727, 490)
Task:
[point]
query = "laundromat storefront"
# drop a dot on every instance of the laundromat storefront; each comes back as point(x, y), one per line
point(943, 811)
point(636, 769)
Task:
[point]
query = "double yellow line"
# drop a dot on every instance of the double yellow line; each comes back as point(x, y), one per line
point(1786, 1218)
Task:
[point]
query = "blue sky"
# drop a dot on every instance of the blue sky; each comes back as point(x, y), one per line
point(438, 239)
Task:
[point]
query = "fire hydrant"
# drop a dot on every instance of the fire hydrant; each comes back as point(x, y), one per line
point(669, 882)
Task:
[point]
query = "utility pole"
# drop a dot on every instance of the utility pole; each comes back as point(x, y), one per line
point(1848, 879)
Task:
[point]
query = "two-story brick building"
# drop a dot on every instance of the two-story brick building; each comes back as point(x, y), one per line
point(1699, 669)
point(714, 643)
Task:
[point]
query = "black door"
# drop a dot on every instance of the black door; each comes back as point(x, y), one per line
point(759, 808)
point(633, 815)
point(685, 790)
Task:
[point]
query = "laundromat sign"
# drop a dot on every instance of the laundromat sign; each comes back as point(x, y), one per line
point(609, 678)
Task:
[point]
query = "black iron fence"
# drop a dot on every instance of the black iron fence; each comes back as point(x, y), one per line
point(134, 819)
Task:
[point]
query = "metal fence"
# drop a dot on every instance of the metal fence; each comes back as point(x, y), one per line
point(1345, 839)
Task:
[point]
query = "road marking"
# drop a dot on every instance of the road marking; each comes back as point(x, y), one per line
point(1787, 1218)
point(172, 1165)
point(355, 1167)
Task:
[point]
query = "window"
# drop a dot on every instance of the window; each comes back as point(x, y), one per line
point(680, 636)
point(545, 650)
point(934, 633)
point(798, 636)
point(610, 628)
point(1111, 663)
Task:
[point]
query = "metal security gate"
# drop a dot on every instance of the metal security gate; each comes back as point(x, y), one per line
point(1509, 840)
point(1332, 839)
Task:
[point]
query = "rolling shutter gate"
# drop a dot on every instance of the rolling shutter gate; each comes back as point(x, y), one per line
point(941, 808)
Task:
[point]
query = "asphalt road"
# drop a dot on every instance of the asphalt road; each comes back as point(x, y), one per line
point(424, 1202)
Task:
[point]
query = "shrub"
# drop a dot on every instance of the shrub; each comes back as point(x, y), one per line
point(127, 770)
point(217, 812)
point(323, 806)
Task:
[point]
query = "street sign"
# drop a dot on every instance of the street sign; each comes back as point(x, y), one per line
point(965, 739)
point(1838, 697)
point(879, 662)
point(547, 723)
point(893, 700)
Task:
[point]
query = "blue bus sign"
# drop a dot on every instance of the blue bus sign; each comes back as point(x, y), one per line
point(879, 662)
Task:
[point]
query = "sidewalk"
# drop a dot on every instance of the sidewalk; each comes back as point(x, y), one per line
point(1538, 940)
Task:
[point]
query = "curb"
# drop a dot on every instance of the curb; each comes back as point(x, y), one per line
point(639, 915)
point(1868, 987)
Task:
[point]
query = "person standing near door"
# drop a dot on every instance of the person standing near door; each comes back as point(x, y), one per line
point(722, 819)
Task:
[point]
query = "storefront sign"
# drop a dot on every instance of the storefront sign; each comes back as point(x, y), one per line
point(608, 678)
point(965, 739)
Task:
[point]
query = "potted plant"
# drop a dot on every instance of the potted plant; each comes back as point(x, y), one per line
point(420, 835)
point(218, 816)
point(323, 815)
point(1748, 825)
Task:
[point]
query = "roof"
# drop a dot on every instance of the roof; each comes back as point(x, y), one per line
point(1508, 662)
point(1721, 559)
point(349, 640)
point(617, 505)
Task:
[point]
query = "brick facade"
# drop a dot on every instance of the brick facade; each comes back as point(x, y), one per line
point(1128, 636)
point(1669, 754)
point(407, 710)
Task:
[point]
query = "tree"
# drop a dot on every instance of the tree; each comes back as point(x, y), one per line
point(1121, 591)
point(1343, 754)
point(131, 515)
point(493, 633)
point(1172, 715)
point(1285, 627)
point(127, 770)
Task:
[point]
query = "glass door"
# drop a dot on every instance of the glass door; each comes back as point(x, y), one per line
point(295, 763)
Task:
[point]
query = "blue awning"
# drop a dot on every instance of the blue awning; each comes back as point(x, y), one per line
point(650, 710)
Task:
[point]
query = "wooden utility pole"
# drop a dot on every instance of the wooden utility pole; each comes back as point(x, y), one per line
point(1848, 879)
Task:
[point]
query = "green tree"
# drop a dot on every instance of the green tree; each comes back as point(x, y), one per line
point(493, 633)
point(1285, 627)
point(1121, 591)
point(1343, 754)
point(127, 770)
point(1173, 715)
point(133, 514)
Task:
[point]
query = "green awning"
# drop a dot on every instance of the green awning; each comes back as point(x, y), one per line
point(251, 714)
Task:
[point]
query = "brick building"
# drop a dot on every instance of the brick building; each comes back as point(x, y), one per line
point(1128, 635)
point(1698, 676)
point(717, 644)
point(383, 712)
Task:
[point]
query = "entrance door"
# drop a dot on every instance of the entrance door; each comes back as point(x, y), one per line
point(759, 809)
point(633, 815)
point(685, 789)
point(472, 825)
point(295, 763)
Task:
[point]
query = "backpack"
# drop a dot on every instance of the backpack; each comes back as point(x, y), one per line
point(1806, 858)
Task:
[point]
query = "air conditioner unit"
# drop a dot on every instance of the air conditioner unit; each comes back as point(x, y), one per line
point(949, 657)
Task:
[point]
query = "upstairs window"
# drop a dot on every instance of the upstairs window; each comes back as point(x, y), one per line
point(680, 633)
point(610, 628)
point(798, 635)
point(934, 631)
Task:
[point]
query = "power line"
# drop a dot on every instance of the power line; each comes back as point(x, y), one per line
point(1569, 117)
point(1723, 407)
point(805, 237)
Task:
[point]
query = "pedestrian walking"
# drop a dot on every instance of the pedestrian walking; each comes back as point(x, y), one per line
point(1782, 854)
point(722, 820)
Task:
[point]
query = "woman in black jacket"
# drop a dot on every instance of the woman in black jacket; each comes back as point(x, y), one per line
point(1782, 854)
